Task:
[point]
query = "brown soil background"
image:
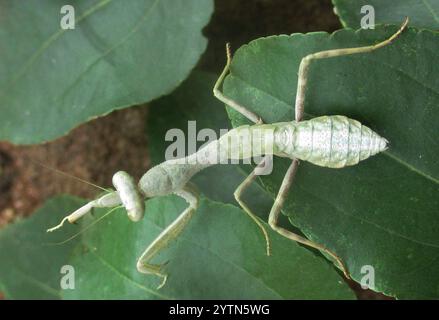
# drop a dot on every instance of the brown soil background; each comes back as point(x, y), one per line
point(97, 149)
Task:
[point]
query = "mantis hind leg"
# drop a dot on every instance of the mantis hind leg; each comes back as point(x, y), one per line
point(232, 103)
point(304, 65)
point(238, 192)
point(276, 209)
point(170, 233)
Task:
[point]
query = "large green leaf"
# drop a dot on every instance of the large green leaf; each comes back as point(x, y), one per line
point(119, 54)
point(384, 211)
point(219, 256)
point(30, 260)
point(422, 13)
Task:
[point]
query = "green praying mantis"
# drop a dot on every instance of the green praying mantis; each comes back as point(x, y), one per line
point(329, 141)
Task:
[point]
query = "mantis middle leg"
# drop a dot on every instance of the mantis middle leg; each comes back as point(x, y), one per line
point(256, 119)
point(167, 235)
point(276, 209)
point(232, 103)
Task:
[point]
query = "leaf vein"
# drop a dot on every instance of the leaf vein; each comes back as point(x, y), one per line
point(389, 231)
point(123, 276)
point(430, 9)
point(106, 53)
point(46, 44)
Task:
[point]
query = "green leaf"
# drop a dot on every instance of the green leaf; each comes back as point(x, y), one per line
point(118, 55)
point(30, 260)
point(220, 255)
point(422, 13)
point(384, 211)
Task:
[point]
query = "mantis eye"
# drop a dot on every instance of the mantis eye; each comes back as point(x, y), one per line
point(129, 195)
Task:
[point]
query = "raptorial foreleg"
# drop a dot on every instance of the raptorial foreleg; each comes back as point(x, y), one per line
point(108, 200)
point(144, 264)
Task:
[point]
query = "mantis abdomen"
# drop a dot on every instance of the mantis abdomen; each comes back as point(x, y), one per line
point(333, 141)
point(328, 141)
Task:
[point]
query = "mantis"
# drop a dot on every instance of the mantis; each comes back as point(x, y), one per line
point(330, 141)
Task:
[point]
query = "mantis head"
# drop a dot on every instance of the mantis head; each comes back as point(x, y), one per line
point(129, 195)
point(126, 194)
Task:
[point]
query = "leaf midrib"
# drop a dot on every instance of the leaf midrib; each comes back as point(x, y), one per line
point(124, 276)
point(46, 44)
point(430, 10)
point(39, 284)
point(107, 52)
point(387, 230)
